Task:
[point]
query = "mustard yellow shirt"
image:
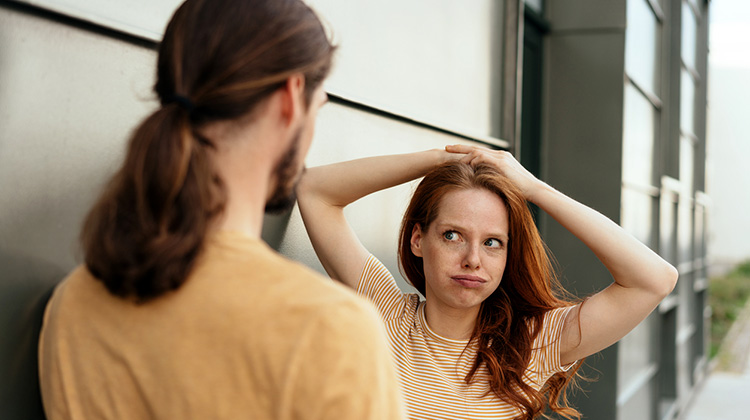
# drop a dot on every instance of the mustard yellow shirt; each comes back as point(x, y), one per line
point(249, 335)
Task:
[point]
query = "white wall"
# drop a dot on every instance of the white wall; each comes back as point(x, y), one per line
point(69, 98)
point(434, 61)
point(68, 101)
point(728, 138)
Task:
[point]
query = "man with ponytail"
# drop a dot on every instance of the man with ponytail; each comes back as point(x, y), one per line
point(180, 311)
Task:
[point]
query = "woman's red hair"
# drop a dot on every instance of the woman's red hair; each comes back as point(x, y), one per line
point(512, 316)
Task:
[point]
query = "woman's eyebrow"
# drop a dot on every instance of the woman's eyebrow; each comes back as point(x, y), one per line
point(454, 226)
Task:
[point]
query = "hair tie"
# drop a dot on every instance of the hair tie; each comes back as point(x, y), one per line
point(182, 101)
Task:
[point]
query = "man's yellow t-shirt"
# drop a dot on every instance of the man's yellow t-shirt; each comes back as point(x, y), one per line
point(249, 335)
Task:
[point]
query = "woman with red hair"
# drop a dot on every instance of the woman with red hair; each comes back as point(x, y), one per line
point(496, 336)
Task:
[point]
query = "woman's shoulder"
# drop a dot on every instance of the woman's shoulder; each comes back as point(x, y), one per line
point(377, 284)
point(550, 328)
point(557, 315)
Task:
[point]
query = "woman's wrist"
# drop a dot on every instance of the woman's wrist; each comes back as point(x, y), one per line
point(537, 190)
point(445, 156)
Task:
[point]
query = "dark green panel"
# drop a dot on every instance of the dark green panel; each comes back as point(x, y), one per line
point(531, 106)
point(582, 157)
point(25, 286)
point(584, 15)
point(668, 362)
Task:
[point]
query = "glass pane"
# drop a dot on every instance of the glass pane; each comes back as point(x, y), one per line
point(687, 102)
point(635, 353)
point(640, 404)
point(687, 153)
point(685, 333)
point(689, 29)
point(697, 5)
point(684, 232)
point(642, 40)
point(699, 238)
point(638, 138)
point(636, 214)
point(535, 5)
point(668, 226)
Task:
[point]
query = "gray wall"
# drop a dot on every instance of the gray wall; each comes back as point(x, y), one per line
point(70, 93)
point(582, 153)
point(67, 100)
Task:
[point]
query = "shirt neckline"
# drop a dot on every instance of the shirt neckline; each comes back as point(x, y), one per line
point(432, 334)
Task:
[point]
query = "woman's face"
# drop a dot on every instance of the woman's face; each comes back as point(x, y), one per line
point(464, 250)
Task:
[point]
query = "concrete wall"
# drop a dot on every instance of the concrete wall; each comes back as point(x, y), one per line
point(68, 98)
point(70, 93)
point(581, 153)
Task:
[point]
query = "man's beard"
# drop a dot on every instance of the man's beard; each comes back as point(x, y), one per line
point(287, 177)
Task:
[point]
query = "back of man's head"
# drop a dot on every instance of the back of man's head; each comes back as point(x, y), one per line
point(218, 61)
point(225, 56)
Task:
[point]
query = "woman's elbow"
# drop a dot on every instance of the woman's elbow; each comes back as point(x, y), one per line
point(307, 187)
point(668, 279)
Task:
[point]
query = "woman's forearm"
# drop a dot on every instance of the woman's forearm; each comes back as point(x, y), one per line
point(339, 184)
point(324, 191)
point(642, 278)
point(631, 263)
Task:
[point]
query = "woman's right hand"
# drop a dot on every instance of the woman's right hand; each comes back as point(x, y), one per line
point(504, 162)
point(324, 191)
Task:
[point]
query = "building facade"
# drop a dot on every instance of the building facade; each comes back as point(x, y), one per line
point(605, 101)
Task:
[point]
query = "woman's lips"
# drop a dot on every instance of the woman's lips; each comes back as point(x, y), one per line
point(469, 281)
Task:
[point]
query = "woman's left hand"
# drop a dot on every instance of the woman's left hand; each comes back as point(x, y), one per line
point(504, 162)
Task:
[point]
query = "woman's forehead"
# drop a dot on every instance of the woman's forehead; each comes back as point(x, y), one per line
point(478, 209)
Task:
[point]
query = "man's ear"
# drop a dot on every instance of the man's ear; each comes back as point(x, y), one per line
point(292, 98)
point(416, 240)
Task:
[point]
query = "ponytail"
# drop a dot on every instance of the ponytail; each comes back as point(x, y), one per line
point(142, 237)
point(218, 60)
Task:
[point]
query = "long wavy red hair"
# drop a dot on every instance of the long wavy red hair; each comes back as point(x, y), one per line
point(512, 316)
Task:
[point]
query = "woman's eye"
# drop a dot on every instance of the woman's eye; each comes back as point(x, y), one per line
point(493, 243)
point(450, 235)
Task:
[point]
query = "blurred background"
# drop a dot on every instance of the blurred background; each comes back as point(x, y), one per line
point(728, 178)
point(617, 103)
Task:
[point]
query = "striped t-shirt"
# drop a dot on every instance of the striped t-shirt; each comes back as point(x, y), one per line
point(432, 368)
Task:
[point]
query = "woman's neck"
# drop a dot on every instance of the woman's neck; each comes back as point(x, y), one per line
point(452, 323)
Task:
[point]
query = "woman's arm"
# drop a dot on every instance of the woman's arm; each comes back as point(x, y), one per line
point(325, 190)
point(642, 278)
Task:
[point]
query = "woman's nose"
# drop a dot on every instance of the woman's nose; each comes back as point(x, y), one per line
point(471, 257)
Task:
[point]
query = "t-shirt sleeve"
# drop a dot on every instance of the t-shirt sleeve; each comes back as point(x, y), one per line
point(378, 285)
point(344, 370)
point(545, 359)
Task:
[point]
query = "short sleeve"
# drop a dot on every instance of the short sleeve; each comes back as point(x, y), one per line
point(343, 369)
point(545, 359)
point(378, 285)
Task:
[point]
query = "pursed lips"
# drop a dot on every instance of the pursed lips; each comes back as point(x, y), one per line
point(469, 280)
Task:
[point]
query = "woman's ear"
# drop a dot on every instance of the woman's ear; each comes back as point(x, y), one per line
point(416, 240)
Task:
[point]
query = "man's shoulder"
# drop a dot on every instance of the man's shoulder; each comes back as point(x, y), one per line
point(329, 304)
point(262, 273)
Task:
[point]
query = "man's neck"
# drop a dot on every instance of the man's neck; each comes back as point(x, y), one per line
point(244, 162)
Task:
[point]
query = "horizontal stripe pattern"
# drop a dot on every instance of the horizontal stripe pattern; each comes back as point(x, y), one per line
point(432, 368)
